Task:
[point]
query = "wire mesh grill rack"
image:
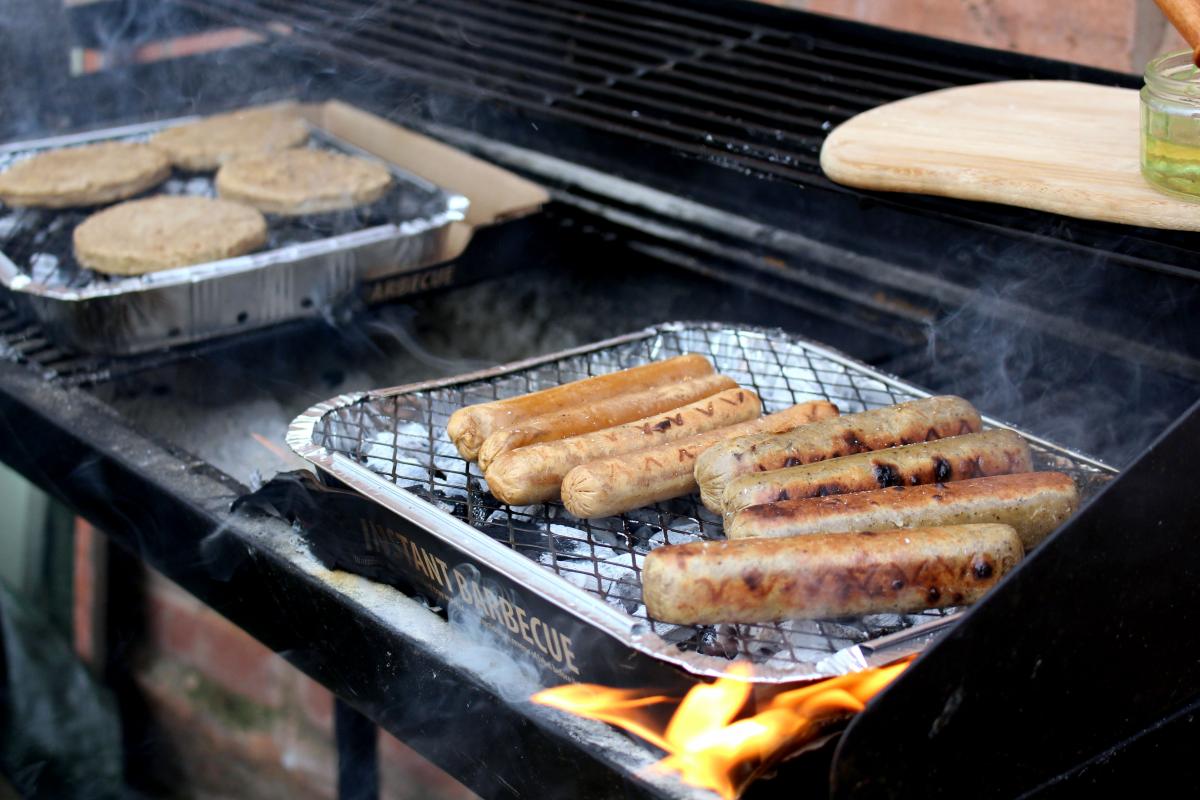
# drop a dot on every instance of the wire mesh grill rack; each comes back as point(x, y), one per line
point(399, 436)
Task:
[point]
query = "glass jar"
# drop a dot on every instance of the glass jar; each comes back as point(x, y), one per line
point(1171, 125)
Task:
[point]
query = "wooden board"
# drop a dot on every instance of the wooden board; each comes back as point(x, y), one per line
point(1060, 146)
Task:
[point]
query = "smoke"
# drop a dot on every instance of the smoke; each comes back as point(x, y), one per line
point(486, 652)
point(1037, 345)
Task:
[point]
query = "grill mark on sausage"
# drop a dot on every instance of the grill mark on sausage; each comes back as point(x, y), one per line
point(981, 568)
point(741, 398)
point(941, 469)
point(886, 474)
point(929, 576)
point(753, 580)
point(707, 411)
point(663, 425)
point(853, 443)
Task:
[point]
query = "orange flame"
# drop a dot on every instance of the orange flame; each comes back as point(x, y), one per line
point(276, 450)
point(705, 741)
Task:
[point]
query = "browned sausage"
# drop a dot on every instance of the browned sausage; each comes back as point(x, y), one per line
point(535, 473)
point(601, 414)
point(1033, 503)
point(827, 574)
point(615, 485)
point(955, 458)
point(906, 423)
point(469, 427)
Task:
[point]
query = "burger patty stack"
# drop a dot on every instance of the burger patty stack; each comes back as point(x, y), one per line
point(895, 509)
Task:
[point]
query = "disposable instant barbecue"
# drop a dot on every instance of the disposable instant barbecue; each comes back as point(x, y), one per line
point(391, 446)
point(678, 144)
point(312, 265)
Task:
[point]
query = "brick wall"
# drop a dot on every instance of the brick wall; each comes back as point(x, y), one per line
point(1115, 34)
point(236, 719)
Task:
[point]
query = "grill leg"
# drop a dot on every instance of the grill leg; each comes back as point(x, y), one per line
point(358, 755)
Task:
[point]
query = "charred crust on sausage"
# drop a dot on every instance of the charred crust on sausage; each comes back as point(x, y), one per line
point(753, 579)
point(942, 471)
point(853, 443)
point(981, 568)
point(886, 474)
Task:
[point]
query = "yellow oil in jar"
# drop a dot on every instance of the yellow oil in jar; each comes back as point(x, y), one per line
point(1171, 149)
point(1171, 125)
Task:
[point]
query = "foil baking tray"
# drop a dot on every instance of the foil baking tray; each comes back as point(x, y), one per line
point(391, 447)
point(310, 265)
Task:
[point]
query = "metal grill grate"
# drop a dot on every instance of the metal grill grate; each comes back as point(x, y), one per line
point(401, 437)
point(700, 83)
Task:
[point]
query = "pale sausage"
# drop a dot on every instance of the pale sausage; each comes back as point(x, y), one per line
point(535, 473)
point(975, 455)
point(601, 414)
point(916, 421)
point(826, 575)
point(1033, 503)
point(469, 427)
point(615, 485)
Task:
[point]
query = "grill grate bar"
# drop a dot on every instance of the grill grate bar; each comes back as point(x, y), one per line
point(916, 74)
point(580, 89)
point(510, 66)
point(847, 56)
point(533, 23)
point(727, 51)
point(692, 140)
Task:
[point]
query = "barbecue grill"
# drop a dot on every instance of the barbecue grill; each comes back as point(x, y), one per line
point(680, 147)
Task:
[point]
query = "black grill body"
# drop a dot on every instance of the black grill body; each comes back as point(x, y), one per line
point(680, 142)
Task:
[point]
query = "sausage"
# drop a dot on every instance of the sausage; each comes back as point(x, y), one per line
point(615, 485)
point(827, 574)
point(601, 414)
point(916, 421)
point(535, 473)
point(1033, 503)
point(469, 427)
point(957, 458)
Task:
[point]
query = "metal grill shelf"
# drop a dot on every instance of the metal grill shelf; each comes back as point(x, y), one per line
point(395, 439)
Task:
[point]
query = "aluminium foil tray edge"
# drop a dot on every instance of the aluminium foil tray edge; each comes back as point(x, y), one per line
point(571, 599)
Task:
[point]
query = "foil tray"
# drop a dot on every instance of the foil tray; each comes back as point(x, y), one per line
point(391, 446)
point(310, 265)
